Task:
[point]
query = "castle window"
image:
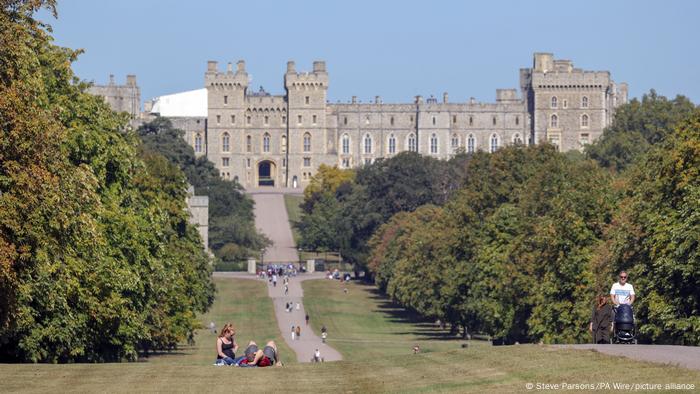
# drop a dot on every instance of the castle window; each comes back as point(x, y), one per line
point(313, 119)
point(283, 145)
point(517, 120)
point(583, 139)
point(411, 118)
point(433, 143)
point(412, 143)
point(284, 162)
point(233, 119)
point(584, 102)
point(554, 140)
point(307, 162)
point(368, 144)
point(554, 102)
point(454, 119)
point(455, 142)
point(299, 119)
point(284, 120)
point(367, 119)
point(565, 104)
point(198, 143)
point(307, 142)
point(471, 144)
point(248, 144)
point(218, 119)
point(517, 140)
point(266, 143)
point(345, 120)
point(554, 121)
point(493, 120)
point(345, 144)
point(267, 120)
point(247, 119)
point(368, 161)
point(433, 121)
point(247, 162)
point(391, 120)
point(306, 100)
point(584, 120)
point(471, 121)
point(224, 161)
point(346, 163)
point(494, 143)
point(225, 143)
point(225, 100)
point(392, 144)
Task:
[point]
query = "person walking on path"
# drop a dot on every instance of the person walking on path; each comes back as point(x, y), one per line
point(298, 332)
point(293, 333)
point(286, 289)
point(298, 306)
point(307, 319)
point(601, 320)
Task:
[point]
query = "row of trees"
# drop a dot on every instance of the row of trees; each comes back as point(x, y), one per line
point(516, 244)
point(232, 233)
point(97, 258)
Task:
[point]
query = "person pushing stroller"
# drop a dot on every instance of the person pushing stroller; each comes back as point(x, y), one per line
point(622, 295)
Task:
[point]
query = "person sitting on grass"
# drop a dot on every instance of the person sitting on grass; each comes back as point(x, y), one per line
point(248, 356)
point(226, 345)
point(267, 357)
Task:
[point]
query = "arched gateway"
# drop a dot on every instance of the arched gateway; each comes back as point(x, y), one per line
point(267, 172)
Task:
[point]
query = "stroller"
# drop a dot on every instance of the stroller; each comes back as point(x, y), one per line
point(624, 329)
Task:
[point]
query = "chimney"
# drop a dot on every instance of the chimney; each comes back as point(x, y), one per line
point(211, 66)
point(241, 66)
point(229, 68)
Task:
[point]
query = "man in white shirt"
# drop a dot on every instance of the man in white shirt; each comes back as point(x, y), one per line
point(622, 292)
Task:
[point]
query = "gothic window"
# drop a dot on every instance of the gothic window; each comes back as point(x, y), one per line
point(494, 143)
point(283, 145)
point(368, 144)
point(307, 142)
point(392, 144)
point(584, 120)
point(412, 143)
point(517, 140)
point(584, 102)
point(471, 144)
point(346, 144)
point(455, 142)
point(554, 122)
point(554, 102)
point(225, 143)
point(433, 144)
point(198, 143)
point(266, 143)
point(248, 144)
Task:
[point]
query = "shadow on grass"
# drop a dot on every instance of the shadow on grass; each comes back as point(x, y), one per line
point(424, 327)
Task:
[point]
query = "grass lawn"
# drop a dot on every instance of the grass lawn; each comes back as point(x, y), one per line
point(375, 338)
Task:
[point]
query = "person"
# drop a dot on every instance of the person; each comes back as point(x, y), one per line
point(286, 289)
point(248, 356)
point(294, 333)
point(323, 328)
point(416, 349)
point(298, 306)
point(298, 332)
point(267, 357)
point(274, 280)
point(286, 307)
point(226, 345)
point(212, 327)
point(324, 335)
point(601, 320)
point(622, 292)
point(317, 356)
point(307, 319)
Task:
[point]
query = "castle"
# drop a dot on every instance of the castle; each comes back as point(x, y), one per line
point(260, 139)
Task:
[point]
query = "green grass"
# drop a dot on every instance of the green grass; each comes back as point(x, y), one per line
point(245, 304)
point(363, 324)
point(292, 203)
point(383, 364)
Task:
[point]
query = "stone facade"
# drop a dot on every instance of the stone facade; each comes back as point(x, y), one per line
point(260, 139)
point(280, 140)
point(198, 207)
point(121, 98)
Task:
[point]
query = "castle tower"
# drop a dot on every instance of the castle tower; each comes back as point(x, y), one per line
point(225, 116)
point(308, 139)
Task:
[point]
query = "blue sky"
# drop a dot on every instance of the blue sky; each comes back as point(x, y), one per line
point(395, 49)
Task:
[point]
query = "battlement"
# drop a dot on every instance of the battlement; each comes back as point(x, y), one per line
point(229, 78)
point(318, 78)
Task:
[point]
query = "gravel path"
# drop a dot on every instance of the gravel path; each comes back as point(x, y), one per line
point(305, 346)
point(682, 356)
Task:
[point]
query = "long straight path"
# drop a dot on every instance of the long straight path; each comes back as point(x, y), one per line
point(306, 345)
point(271, 219)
